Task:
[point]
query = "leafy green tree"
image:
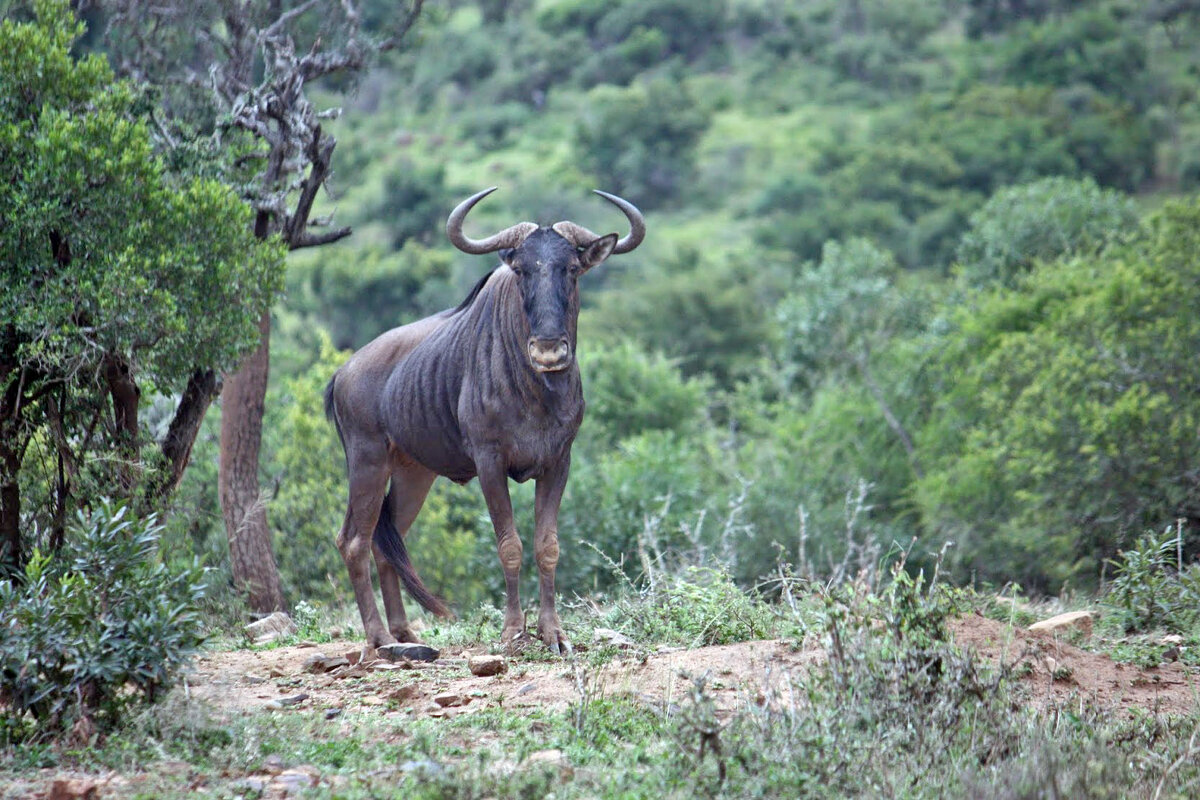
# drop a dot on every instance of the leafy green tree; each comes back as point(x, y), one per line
point(631, 390)
point(120, 282)
point(1039, 221)
point(710, 313)
point(839, 317)
point(1066, 412)
point(642, 139)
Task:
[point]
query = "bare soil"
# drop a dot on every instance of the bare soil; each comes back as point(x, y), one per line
point(1055, 675)
point(1053, 672)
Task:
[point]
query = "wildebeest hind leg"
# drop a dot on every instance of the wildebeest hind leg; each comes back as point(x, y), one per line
point(410, 486)
point(368, 480)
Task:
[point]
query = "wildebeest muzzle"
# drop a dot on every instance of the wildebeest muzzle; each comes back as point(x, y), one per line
point(549, 355)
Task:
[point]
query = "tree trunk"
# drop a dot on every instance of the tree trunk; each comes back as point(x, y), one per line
point(250, 554)
point(11, 557)
point(202, 387)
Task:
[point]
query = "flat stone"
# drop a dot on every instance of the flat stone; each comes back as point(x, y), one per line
point(611, 638)
point(319, 663)
point(293, 781)
point(270, 628)
point(486, 666)
point(74, 789)
point(407, 651)
point(402, 693)
point(1072, 620)
point(447, 699)
point(553, 758)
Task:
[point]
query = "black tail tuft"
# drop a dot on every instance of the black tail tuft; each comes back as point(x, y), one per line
point(329, 399)
point(391, 544)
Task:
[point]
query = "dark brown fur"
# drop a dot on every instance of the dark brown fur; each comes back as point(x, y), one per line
point(490, 389)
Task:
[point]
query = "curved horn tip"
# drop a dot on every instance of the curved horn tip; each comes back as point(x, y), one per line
point(637, 222)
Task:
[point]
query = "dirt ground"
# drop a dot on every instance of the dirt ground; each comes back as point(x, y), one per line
point(1053, 671)
point(1056, 675)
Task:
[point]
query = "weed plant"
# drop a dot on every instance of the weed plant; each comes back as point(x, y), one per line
point(94, 629)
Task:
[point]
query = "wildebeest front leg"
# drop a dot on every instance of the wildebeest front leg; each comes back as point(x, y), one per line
point(493, 480)
point(545, 548)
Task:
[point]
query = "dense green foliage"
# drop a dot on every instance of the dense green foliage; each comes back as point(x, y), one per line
point(906, 279)
point(121, 280)
point(95, 630)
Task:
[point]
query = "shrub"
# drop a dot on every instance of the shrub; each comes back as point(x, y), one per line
point(94, 629)
point(1041, 220)
point(694, 607)
point(1152, 588)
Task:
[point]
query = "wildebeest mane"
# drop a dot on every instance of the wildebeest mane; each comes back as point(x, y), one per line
point(474, 293)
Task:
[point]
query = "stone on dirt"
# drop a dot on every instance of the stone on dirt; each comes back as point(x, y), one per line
point(74, 789)
point(447, 699)
point(1062, 623)
point(318, 663)
point(610, 638)
point(271, 627)
point(407, 651)
point(486, 666)
point(553, 758)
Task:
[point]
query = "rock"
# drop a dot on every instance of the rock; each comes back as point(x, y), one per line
point(1062, 623)
point(1172, 638)
point(353, 656)
point(426, 767)
point(553, 758)
point(293, 781)
point(273, 764)
point(256, 784)
point(270, 628)
point(330, 713)
point(74, 789)
point(402, 693)
point(407, 651)
point(447, 699)
point(610, 638)
point(486, 666)
point(284, 702)
point(318, 663)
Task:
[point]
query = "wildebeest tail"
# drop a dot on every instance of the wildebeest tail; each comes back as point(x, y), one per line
point(391, 544)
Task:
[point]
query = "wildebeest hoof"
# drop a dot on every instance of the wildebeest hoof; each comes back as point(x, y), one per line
point(557, 641)
point(516, 643)
point(407, 651)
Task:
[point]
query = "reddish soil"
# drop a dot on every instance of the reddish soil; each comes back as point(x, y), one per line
point(1054, 672)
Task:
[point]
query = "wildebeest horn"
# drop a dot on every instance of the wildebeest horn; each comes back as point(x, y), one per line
point(579, 235)
point(509, 237)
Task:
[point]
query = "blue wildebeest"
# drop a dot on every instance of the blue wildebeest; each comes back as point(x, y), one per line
point(489, 389)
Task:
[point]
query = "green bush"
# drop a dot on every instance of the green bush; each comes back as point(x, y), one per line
point(1063, 412)
point(1039, 221)
point(693, 607)
point(1152, 588)
point(94, 629)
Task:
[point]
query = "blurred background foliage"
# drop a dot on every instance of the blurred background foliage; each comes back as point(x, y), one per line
point(916, 271)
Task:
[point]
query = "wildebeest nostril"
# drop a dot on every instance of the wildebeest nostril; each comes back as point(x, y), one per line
point(549, 353)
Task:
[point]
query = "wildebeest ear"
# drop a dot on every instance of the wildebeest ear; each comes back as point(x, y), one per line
point(592, 254)
point(506, 255)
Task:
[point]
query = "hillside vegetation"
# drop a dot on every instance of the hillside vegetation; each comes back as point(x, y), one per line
point(916, 271)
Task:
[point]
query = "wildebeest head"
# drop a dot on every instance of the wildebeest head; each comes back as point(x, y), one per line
point(547, 263)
